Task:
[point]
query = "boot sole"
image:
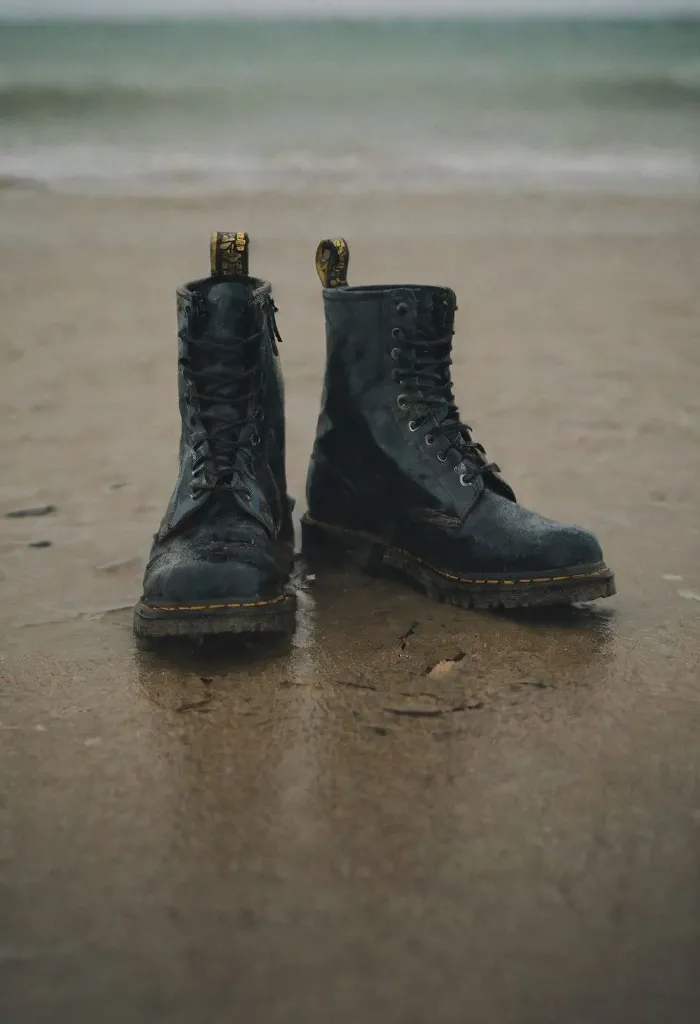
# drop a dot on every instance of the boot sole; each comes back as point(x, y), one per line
point(276, 615)
point(576, 585)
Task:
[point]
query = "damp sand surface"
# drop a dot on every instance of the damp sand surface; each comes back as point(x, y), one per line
point(411, 813)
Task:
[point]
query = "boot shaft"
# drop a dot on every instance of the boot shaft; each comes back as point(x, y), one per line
point(226, 330)
point(371, 332)
point(388, 412)
point(230, 387)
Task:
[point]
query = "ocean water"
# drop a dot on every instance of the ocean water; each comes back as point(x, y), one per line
point(377, 105)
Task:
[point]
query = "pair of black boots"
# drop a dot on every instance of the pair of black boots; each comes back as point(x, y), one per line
point(395, 480)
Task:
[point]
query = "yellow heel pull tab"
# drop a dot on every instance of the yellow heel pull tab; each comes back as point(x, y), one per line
point(229, 254)
point(332, 259)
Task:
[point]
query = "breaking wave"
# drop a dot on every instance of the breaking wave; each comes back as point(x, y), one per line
point(120, 170)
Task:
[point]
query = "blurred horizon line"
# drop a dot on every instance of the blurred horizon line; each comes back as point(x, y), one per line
point(684, 14)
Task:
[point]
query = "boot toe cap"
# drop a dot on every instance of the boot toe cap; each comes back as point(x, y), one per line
point(568, 546)
point(503, 537)
point(203, 583)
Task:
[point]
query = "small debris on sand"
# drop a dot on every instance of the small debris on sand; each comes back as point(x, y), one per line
point(405, 637)
point(123, 563)
point(355, 684)
point(417, 711)
point(443, 667)
point(195, 705)
point(28, 513)
point(469, 705)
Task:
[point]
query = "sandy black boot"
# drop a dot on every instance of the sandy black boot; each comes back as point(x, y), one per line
point(397, 480)
point(221, 560)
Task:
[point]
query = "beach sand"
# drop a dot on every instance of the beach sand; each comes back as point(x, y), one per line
point(263, 835)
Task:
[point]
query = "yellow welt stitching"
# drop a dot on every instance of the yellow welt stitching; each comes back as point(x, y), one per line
point(462, 579)
point(213, 607)
point(540, 579)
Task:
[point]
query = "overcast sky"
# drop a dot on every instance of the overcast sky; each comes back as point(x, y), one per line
point(31, 8)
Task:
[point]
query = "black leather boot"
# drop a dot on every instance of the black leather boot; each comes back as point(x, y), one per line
point(397, 480)
point(221, 560)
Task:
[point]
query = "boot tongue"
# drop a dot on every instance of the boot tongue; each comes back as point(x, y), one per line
point(435, 308)
point(227, 302)
point(434, 327)
point(435, 311)
point(225, 358)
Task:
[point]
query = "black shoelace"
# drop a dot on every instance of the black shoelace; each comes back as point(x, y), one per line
point(228, 391)
point(423, 372)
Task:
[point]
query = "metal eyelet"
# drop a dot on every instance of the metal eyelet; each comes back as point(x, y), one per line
point(413, 426)
point(395, 353)
point(397, 334)
point(429, 439)
point(402, 308)
point(463, 480)
point(441, 457)
point(401, 401)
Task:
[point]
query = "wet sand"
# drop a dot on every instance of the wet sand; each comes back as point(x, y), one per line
point(328, 832)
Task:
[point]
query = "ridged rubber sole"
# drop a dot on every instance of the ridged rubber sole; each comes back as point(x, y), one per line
point(276, 615)
point(575, 585)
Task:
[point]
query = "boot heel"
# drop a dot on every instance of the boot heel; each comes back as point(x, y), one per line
point(331, 545)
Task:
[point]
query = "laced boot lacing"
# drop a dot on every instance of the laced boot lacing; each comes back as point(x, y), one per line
point(229, 392)
point(423, 373)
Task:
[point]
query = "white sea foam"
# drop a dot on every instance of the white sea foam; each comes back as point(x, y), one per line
point(374, 106)
point(143, 171)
